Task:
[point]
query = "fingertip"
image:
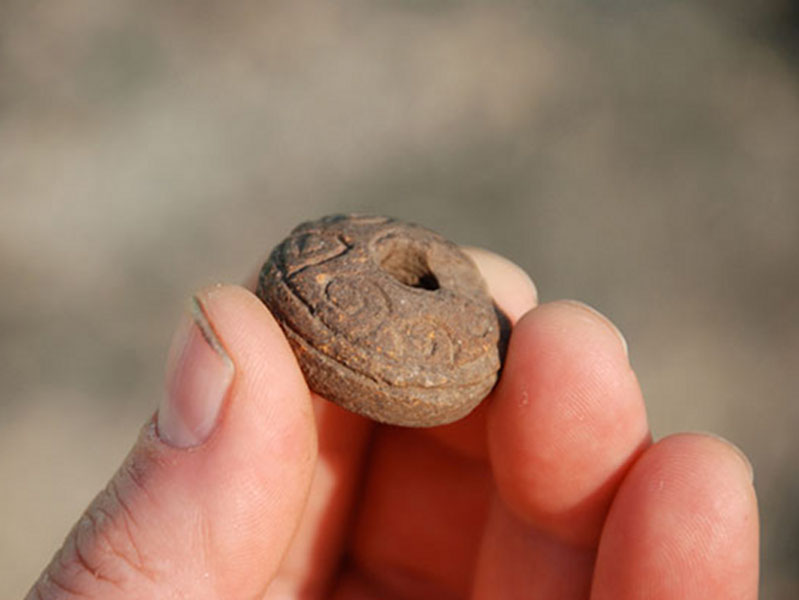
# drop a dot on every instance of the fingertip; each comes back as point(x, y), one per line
point(725, 447)
point(683, 525)
point(706, 462)
point(511, 287)
point(597, 317)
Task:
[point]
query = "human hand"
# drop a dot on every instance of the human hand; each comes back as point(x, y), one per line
point(246, 485)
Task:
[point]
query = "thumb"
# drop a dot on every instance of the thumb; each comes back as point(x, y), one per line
point(207, 501)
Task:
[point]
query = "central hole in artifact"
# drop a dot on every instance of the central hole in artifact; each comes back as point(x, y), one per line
point(406, 263)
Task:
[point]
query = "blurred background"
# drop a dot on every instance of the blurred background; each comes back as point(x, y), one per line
point(640, 156)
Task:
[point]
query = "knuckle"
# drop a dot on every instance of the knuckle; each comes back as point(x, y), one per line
point(102, 555)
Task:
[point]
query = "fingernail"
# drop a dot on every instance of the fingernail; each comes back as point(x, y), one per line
point(199, 374)
point(740, 453)
point(610, 325)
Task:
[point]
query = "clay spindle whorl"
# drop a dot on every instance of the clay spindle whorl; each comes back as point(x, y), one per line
point(387, 319)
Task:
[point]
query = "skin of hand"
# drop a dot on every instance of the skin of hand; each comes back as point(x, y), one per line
point(246, 485)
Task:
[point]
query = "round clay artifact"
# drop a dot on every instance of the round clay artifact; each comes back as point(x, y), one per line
point(387, 319)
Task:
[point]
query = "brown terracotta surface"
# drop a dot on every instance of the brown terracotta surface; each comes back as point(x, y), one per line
point(387, 319)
